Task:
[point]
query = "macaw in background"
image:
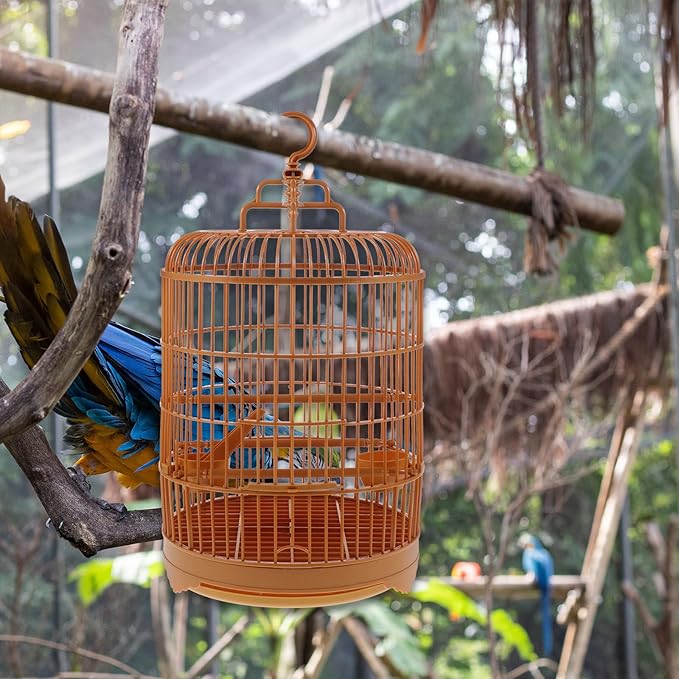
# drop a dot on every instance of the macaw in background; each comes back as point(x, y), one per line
point(112, 407)
point(538, 562)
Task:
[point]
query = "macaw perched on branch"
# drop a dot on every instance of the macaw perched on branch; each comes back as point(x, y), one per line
point(538, 561)
point(112, 407)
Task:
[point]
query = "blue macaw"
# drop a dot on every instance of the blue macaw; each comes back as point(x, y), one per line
point(538, 561)
point(112, 407)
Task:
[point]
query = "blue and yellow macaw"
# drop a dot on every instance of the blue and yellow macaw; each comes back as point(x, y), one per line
point(112, 407)
point(538, 561)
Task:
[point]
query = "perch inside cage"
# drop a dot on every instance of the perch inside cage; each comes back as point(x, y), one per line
point(291, 437)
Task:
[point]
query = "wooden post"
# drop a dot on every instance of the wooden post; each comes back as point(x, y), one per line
point(612, 495)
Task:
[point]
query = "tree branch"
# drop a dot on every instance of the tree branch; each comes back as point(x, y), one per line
point(108, 274)
point(656, 542)
point(321, 653)
point(46, 643)
point(530, 668)
point(79, 518)
point(358, 632)
point(75, 85)
point(162, 633)
point(218, 647)
point(650, 624)
point(647, 618)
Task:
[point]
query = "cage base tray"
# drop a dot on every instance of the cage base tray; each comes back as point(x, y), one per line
point(308, 556)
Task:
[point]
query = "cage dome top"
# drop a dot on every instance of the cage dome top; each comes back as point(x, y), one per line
point(332, 252)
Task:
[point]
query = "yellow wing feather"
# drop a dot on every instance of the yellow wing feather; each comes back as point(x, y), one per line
point(104, 443)
point(38, 285)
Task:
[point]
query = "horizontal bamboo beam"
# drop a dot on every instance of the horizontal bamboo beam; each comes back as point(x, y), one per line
point(88, 88)
point(512, 586)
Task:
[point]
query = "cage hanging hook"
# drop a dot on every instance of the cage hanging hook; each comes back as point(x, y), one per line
point(295, 157)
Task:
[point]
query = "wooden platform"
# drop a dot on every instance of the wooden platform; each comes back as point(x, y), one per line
point(512, 586)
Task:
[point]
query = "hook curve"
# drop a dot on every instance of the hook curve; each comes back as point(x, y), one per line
point(296, 156)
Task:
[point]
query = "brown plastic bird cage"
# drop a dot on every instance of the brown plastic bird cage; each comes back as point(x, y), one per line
point(291, 438)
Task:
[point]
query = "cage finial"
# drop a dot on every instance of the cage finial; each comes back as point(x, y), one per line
point(294, 158)
point(292, 175)
point(293, 182)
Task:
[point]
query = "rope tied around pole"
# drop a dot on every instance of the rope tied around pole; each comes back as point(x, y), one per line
point(552, 215)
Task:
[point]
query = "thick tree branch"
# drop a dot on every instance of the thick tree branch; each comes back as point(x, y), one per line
point(108, 274)
point(75, 85)
point(86, 524)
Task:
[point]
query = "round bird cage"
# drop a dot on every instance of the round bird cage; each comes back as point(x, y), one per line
point(291, 454)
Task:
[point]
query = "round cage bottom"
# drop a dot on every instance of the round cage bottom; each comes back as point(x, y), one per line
point(290, 551)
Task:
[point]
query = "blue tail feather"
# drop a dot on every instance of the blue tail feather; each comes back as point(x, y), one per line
point(546, 614)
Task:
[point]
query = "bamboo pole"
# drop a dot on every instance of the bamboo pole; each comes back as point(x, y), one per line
point(88, 88)
point(602, 538)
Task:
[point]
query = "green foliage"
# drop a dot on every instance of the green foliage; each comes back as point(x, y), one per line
point(92, 578)
point(513, 635)
point(398, 644)
point(463, 658)
point(95, 576)
point(652, 497)
point(456, 602)
point(279, 622)
point(22, 24)
point(653, 494)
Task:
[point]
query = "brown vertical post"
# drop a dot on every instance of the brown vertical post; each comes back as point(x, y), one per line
point(612, 495)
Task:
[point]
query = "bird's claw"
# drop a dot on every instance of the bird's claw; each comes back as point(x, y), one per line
point(80, 479)
point(118, 507)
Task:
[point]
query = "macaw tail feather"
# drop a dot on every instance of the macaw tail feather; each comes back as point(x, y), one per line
point(546, 614)
point(37, 285)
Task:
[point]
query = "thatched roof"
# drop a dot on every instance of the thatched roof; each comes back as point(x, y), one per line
point(502, 387)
